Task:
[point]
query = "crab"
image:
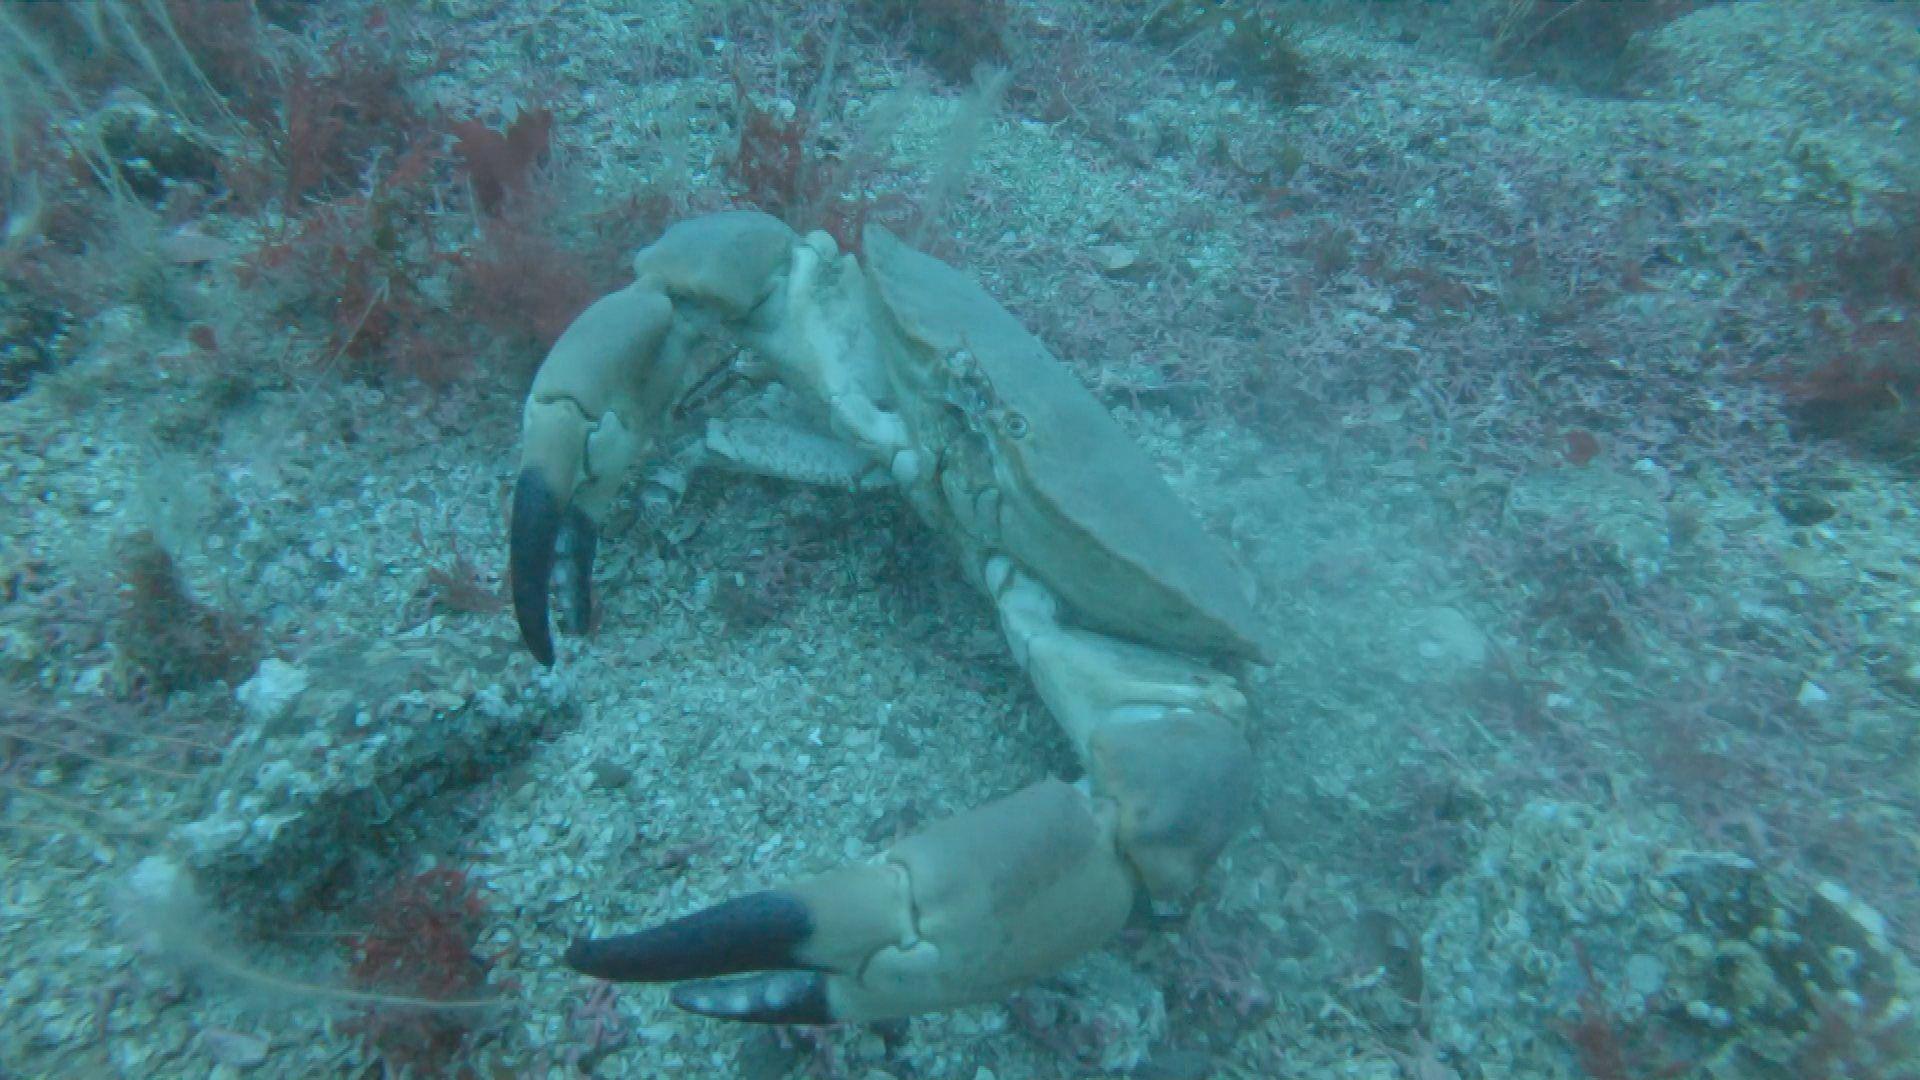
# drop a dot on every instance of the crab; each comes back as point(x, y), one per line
point(897, 371)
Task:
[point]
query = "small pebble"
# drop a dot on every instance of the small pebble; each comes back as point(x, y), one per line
point(233, 1048)
point(609, 776)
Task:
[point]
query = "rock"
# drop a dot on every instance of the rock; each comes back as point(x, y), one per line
point(1116, 259)
point(610, 777)
point(1803, 508)
point(271, 692)
point(762, 1056)
point(1811, 694)
point(234, 1048)
point(1646, 975)
point(157, 153)
point(1446, 641)
point(186, 247)
point(1177, 1065)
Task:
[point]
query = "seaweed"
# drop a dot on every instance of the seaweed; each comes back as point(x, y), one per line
point(171, 639)
point(950, 36)
point(421, 943)
point(1583, 43)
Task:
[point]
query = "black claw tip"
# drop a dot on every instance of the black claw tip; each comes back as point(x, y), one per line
point(757, 932)
point(533, 534)
point(781, 997)
point(582, 538)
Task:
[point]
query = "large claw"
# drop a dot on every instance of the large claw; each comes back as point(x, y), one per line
point(604, 392)
point(600, 397)
point(542, 516)
point(966, 911)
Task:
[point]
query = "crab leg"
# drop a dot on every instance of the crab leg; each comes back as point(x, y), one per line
point(603, 395)
point(1000, 895)
point(966, 911)
point(599, 401)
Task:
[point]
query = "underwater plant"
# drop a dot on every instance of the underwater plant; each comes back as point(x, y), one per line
point(420, 943)
point(169, 638)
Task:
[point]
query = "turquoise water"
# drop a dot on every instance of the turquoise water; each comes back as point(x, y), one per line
point(961, 539)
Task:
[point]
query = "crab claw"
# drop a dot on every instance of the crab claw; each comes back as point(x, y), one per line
point(964, 912)
point(595, 402)
point(604, 392)
point(763, 933)
point(541, 519)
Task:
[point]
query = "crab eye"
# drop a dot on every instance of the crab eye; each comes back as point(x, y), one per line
point(1015, 425)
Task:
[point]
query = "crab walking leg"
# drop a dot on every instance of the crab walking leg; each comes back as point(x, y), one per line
point(1159, 734)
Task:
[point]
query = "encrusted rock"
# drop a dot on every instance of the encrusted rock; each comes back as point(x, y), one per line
point(270, 693)
point(377, 733)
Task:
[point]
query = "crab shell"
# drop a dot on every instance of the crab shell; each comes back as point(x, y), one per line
point(1031, 465)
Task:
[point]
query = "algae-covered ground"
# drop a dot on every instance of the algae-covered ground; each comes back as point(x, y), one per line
point(1548, 366)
